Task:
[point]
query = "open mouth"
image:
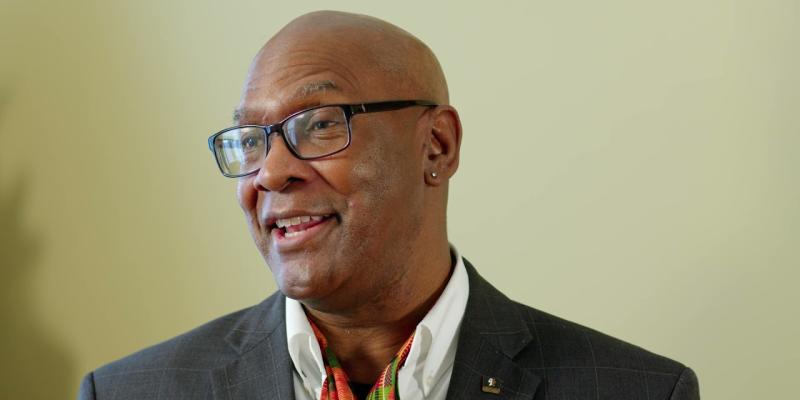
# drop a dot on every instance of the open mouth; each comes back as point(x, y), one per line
point(297, 226)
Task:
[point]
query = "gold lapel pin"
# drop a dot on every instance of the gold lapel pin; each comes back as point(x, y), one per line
point(490, 385)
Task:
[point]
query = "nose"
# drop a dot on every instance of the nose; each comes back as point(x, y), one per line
point(280, 168)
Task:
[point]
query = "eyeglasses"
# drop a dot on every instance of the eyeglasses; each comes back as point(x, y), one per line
point(309, 134)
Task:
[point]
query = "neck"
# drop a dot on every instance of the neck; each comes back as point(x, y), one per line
point(365, 339)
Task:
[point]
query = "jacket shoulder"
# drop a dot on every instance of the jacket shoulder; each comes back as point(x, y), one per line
point(557, 358)
point(181, 367)
point(556, 342)
point(565, 350)
point(201, 348)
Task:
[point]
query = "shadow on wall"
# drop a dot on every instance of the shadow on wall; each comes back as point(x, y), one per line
point(32, 365)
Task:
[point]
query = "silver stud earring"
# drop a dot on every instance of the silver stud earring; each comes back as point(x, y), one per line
point(434, 174)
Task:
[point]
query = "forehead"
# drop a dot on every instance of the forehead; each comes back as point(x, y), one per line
point(289, 77)
point(307, 95)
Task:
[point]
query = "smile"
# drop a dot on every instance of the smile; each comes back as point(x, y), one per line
point(294, 231)
point(298, 225)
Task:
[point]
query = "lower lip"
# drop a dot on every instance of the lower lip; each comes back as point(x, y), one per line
point(284, 243)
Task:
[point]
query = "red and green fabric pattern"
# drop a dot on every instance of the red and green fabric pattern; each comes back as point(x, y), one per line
point(385, 388)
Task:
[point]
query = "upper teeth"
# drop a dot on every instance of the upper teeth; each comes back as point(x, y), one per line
point(284, 222)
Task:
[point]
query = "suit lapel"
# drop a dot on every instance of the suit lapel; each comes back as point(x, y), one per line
point(263, 369)
point(492, 334)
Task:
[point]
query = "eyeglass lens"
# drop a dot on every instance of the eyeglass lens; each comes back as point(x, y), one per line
point(313, 133)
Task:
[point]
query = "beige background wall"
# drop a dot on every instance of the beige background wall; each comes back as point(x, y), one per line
point(634, 163)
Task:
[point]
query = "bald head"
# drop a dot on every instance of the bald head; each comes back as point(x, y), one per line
point(368, 53)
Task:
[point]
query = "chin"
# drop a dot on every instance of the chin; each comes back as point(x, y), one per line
point(299, 293)
point(297, 284)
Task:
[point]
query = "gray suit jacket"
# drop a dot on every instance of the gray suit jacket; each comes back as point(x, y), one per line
point(531, 354)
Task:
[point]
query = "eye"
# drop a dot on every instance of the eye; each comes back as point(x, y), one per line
point(323, 124)
point(250, 143)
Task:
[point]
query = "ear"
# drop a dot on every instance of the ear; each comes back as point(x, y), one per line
point(443, 145)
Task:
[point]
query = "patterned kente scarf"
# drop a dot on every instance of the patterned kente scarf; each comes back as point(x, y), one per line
point(338, 387)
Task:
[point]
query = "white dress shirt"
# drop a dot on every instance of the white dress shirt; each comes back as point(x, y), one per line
point(426, 372)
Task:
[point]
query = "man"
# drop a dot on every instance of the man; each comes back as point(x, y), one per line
point(343, 146)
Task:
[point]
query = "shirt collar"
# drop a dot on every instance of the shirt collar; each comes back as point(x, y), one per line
point(433, 354)
point(303, 347)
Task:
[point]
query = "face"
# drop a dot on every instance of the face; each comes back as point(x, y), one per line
point(354, 215)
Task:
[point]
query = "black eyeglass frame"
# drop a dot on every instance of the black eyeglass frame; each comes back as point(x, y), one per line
point(349, 111)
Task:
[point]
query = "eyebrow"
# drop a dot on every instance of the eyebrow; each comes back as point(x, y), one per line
point(314, 87)
point(302, 92)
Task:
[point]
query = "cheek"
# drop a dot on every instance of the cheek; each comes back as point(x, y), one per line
point(246, 194)
point(358, 178)
point(248, 201)
point(377, 185)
